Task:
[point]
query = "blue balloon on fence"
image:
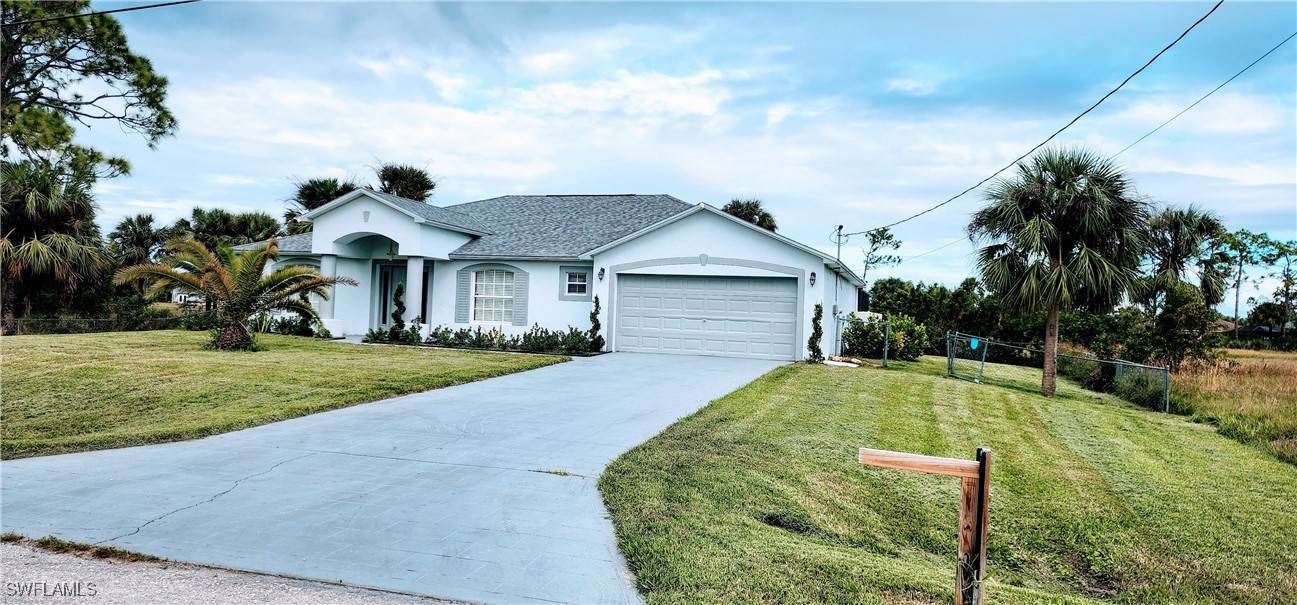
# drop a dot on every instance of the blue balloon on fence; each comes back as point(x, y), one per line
point(973, 343)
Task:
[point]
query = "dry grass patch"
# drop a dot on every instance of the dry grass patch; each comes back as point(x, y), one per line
point(1250, 396)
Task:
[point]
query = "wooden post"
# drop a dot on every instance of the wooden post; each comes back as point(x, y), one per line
point(974, 501)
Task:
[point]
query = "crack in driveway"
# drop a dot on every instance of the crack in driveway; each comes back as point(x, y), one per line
point(237, 482)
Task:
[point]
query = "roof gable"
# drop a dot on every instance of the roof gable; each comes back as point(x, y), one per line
point(836, 264)
point(419, 211)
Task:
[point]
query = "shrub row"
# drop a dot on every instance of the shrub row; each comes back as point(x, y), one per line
point(906, 338)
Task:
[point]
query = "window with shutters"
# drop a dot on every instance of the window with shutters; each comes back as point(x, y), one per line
point(493, 296)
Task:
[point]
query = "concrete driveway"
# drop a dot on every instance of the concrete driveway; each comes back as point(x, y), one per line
point(441, 493)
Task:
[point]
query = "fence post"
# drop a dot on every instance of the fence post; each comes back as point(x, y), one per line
point(950, 359)
point(887, 340)
point(981, 368)
point(1166, 387)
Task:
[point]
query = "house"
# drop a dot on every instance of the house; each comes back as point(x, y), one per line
point(671, 277)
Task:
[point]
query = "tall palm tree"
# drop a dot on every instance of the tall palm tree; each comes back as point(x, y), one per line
point(250, 227)
point(405, 180)
point(751, 211)
point(136, 239)
point(237, 282)
point(1066, 232)
point(48, 235)
point(1181, 239)
point(311, 194)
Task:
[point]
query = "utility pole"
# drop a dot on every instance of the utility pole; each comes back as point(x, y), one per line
point(837, 288)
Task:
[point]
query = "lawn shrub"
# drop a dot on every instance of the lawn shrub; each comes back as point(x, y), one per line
point(815, 355)
point(572, 341)
point(293, 326)
point(199, 321)
point(907, 338)
point(596, 339)
point(1141, 388)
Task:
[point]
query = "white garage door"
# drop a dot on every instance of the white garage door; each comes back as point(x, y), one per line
point(734, 316)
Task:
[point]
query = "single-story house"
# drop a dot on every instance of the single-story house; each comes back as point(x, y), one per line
point(671, 277)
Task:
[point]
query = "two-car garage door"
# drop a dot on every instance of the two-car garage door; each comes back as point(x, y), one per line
point(734, 316)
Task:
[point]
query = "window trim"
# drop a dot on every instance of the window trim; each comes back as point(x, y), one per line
point(563, 272)
point(473, 297)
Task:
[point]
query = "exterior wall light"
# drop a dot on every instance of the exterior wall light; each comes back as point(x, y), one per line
point(601, 273)
point(812, 278)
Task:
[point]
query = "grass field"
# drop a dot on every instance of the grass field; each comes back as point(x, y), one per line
point(758, 498)
point(1251, 397)
point(67, 393)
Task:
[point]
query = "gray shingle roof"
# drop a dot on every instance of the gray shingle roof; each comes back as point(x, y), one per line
point(561, 225)
point(533, 226)
point(287, 243)
point(438, 214)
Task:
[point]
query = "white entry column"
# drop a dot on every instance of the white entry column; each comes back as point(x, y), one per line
point(414, 289)
point(328, 268)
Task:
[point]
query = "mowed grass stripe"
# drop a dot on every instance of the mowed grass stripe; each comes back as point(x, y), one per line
point(757, 498)
point(67, 393)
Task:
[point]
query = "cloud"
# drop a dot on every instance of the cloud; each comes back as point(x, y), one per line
point(697, 94)
point(823, 124)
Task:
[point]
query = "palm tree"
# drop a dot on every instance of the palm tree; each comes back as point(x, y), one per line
point(309, 195)
point(251, 227)
point(236, 282)
point(751, 211)
point(48, 235)
point(136, 240)
point(1066, 232)
point(405, 180)
point(1180, 239)
point(218, 227)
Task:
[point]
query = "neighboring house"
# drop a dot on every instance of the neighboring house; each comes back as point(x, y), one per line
point(187, 299)
point(671, 277)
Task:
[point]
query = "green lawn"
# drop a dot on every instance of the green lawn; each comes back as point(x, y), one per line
point(758, 497)
point(68, 393)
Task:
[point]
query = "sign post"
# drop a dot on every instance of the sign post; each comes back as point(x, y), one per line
point(975, 476)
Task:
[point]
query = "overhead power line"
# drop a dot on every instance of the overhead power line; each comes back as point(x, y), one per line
point(1204, 97)
point(116, 10)
point(938, 248)
point(1057, 132)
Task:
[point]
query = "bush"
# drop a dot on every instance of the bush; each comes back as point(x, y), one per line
point(535, 340)
point(202, 320)
point(1141, 387)
point(596, 339)
point(906, 341)
point(293, 326)
point(815, 354)
point(374, 335)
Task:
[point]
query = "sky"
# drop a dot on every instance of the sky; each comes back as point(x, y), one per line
point(851, 113)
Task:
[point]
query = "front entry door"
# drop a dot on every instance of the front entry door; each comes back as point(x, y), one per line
point(388, 277)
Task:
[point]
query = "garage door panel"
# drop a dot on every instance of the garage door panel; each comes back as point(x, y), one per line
point(737, 316)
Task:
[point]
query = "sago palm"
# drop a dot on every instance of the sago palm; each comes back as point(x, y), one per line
point(1066, 232)
point(237, 282)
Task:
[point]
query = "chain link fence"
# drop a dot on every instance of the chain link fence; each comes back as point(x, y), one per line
point(89, 325)
point(981, 360)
